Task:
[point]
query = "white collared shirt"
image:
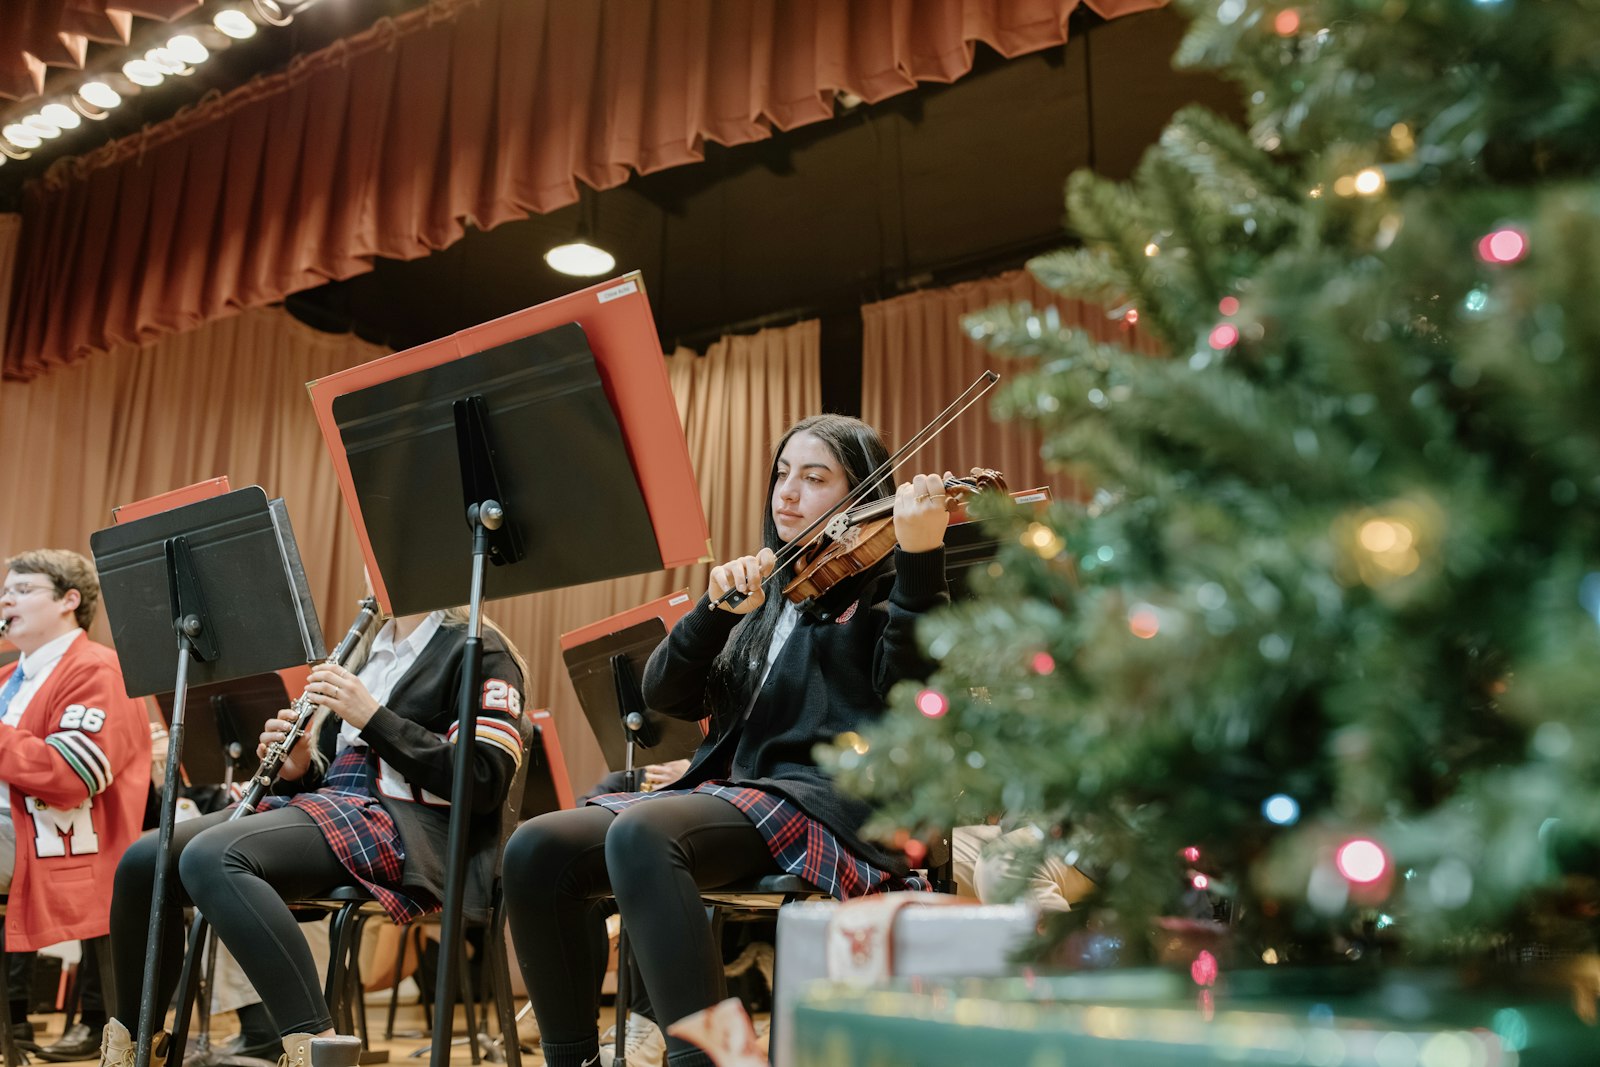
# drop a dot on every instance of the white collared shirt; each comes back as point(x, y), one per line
point(35, 667)
point(387, 663)
point(787, 618)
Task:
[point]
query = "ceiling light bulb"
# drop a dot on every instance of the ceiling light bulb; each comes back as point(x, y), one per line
point(580, 258)
point(99, 94)
point(166, 62)
point(60, 116)
point(235, 24)
point(142, 72)
point(42, 126)
point(21, 136)
point(188, 49)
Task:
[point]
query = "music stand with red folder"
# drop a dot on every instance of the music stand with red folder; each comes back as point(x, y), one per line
point(547, 443)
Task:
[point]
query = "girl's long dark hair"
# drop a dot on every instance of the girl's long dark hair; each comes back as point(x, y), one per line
point(742, 664)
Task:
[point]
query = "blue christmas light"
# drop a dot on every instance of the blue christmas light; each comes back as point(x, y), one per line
point(1281, 809)
point(1589, 594)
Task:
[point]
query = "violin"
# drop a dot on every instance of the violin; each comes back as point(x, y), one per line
point(856, 540)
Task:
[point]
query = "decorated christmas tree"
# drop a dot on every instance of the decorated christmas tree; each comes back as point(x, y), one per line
point(1325, 642)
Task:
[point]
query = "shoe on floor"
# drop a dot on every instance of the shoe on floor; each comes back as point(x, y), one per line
point(646, 1047)
point(116, 1047)
point(78, 1043)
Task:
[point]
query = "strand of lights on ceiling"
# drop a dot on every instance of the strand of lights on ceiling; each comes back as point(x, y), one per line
point(98, 96)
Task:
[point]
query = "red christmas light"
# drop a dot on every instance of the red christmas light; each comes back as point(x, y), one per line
point(1287, 22)
point(1043, 663)
point(1225, 335)
point(1229, 305)
point(1504, 245)
point(1132, 317)
point(1204, 969)
point(932, 703)
point(1361, 861)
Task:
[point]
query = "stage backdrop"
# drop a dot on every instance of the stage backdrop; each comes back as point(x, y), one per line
point(916, 359)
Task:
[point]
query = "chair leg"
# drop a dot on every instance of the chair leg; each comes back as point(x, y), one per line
point(624, 993)
point(336, 989)
point(394, 990)
point(499, 965)
point(422, 994)
point(187, 979)
point(469, 1009)
point(355, 992)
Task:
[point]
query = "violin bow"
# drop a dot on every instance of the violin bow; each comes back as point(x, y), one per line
point(937, 425)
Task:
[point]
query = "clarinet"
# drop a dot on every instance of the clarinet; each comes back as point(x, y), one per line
point(279, 751)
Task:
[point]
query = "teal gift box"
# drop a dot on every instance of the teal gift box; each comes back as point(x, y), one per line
point(1159, 1019)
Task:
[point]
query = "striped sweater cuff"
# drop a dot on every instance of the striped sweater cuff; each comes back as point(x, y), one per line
point(86, 758)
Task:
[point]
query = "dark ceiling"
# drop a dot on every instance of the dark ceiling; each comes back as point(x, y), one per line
point(935, 185)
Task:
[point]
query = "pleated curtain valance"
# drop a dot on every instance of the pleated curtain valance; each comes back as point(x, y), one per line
point(392, 142)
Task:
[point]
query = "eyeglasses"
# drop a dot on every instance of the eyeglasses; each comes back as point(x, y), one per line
point(22, 589)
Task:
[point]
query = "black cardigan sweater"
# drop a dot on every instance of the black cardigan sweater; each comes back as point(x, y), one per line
point(833, 674)
point(409, 733)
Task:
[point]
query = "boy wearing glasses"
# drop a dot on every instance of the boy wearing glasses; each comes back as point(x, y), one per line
point(74, 755)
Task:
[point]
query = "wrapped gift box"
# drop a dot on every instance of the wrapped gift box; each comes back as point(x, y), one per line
point(932, 939)
point(1157, 1019)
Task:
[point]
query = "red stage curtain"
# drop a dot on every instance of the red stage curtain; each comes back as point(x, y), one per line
point(462, 112)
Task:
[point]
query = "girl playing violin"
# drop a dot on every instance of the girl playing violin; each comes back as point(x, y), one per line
point(776, 682)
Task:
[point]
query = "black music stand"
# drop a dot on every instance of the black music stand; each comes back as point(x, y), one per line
point(223, 578)
point(239, 709)
point(535, 441)
point(605, 672)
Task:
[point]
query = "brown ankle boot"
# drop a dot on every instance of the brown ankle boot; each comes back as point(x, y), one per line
point(296, 1050)
point(117, 1047)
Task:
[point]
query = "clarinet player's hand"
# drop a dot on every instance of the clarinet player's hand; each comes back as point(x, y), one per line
point(342, 693)
point(274, 731)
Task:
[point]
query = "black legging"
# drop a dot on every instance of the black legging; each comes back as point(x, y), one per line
point(239, 874)
point(654, 857)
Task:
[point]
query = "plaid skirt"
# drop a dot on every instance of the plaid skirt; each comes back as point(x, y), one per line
point(801, 845)
point(360, 833)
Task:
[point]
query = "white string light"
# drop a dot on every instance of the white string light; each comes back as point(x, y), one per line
point(100, 95)
point(178, 57)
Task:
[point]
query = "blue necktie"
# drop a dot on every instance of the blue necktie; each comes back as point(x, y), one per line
point(9, 691)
